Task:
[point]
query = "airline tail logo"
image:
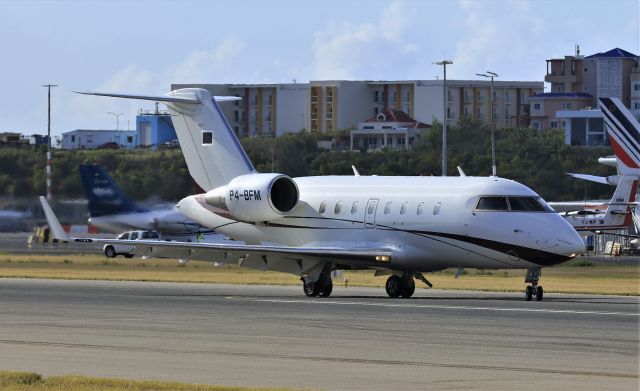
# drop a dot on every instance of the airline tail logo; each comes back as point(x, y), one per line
point(624, 134)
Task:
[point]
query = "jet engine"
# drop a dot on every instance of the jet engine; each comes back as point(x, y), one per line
point(256, 197)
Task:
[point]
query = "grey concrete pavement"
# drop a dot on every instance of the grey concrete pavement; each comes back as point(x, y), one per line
point(355, 340)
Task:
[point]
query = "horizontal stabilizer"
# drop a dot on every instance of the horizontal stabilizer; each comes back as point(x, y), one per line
point(591, 178)
point(160, 98)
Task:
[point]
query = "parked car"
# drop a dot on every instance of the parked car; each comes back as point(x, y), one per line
point(113, 250)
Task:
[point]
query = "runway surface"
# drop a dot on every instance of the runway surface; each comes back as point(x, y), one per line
point(358, 339)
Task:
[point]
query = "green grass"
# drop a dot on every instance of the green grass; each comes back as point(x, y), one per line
point(31, 381)
point(578, 276)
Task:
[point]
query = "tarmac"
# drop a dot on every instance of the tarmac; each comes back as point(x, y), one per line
point(357, 339)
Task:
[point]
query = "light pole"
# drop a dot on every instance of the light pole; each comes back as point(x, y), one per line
point(444, 64)
point(48, 86)
point(491, 75)
point(117, 115)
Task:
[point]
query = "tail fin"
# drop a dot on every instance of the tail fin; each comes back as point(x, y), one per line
point(213, 154)
point(620, 207)
point(624, 133)
point(104, 195)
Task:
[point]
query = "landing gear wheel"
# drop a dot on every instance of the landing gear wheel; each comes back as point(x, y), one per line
point(408, 287)
point(311, 289)
point(110, 252)
point(326, 289)
point(393, 286)
point(528, 293)
point(539, 293)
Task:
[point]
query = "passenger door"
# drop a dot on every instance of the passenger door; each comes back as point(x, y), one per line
point(370, 213)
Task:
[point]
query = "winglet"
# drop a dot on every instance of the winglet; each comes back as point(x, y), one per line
point(52, 220)
point(460, 171)
point(355, 171)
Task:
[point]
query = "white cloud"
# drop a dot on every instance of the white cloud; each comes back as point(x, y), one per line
point(344, 50)
point(499, 37)
point(204, 66)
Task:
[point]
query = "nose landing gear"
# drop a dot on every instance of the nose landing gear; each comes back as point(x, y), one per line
point(533, 290)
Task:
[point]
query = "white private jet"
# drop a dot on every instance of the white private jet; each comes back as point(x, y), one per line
point(311, 226)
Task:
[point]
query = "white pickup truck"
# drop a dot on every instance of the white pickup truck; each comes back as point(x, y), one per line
point(113, 250)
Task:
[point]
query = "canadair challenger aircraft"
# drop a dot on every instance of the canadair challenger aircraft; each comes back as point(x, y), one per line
point(398, 226)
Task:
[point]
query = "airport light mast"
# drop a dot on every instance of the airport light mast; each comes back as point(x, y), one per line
point(49, 196)
point(117, 115)
point(444, 64)
point(491, 75)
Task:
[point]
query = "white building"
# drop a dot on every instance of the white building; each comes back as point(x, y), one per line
point(584, 127)
point(92, 139)
point(392, 129)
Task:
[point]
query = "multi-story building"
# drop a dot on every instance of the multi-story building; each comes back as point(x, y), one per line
point(576, 84)
point(274, 109)
point(265, 109)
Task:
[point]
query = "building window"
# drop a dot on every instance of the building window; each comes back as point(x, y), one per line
point(236, 115)
point(130, 139)
point(535, 124)
point(376, 96)
point(536, 106)
point(566, 106)
point(207, 137)
point(636, 106)
point(73, 139)
point(553, 124)
point(636, 87)
point(560, 88)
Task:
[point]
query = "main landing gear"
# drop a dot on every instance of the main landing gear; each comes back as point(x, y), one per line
point(533, 290)
point(397, 286)
point(322, 287)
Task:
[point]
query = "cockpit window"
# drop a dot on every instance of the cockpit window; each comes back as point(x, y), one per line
point(492, 203)
point(513, 203)
point(526, 204)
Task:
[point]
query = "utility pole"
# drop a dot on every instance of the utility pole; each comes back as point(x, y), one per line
point(492, 124)
point(49, 196)
point(444, 64)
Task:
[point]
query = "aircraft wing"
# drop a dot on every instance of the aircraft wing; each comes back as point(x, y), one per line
point(296, 260)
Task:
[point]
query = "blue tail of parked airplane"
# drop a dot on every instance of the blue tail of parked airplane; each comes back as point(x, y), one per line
point(103, 194)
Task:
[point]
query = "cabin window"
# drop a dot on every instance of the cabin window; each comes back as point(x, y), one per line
point(420, 208)
point(323, 207)
point(354, 207)
point(492, 203)
point(372, 208)
point(338, 207)
point(436, 208)
point(403, 208)
point(387, 208)
point(207, 137)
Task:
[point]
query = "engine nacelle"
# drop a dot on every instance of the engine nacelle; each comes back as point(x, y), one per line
point(256, 197)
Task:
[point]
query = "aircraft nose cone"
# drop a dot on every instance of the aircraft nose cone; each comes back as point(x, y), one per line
point(573, 245)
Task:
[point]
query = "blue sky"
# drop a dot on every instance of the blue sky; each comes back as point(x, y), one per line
point(144, 46)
